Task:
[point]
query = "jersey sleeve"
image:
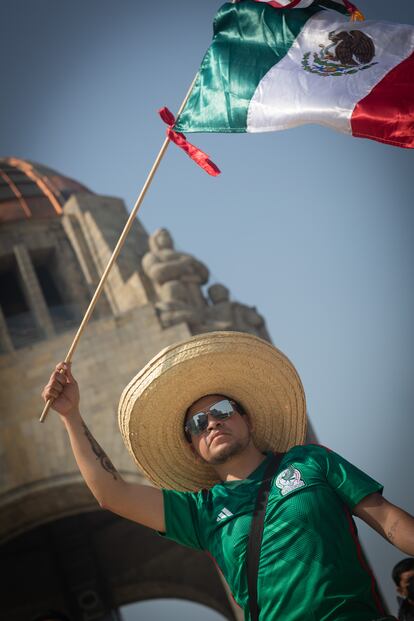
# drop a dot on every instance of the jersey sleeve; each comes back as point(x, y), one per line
point(182, 518)
point(349, 482)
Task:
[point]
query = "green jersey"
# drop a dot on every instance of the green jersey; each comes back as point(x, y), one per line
point(311, 564)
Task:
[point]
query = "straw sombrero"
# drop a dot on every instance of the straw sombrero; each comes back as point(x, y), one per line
point(234, 364)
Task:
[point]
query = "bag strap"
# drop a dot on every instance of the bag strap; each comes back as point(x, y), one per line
point(256, 533)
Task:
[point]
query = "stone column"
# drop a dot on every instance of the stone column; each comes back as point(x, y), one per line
point(6, 343)
point(33, 291)
point(100, 221)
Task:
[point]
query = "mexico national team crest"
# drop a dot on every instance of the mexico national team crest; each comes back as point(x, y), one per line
point(347, 52)
point(289, 480)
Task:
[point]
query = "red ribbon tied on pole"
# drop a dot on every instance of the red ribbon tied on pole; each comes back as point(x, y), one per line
point(197, 155)
point(355, 13)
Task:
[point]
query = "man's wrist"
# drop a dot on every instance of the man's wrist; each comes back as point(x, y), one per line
point(71, 417)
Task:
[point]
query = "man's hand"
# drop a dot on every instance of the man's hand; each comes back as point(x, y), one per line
point(63, 390)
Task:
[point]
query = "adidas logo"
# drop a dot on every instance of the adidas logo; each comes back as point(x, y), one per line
point(224, 513)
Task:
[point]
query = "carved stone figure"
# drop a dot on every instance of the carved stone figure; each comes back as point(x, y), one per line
point(247, 319)
point(177, 278)
point(223, 314)
point(219, 315)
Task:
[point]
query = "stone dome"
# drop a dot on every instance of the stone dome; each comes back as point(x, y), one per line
point(29, 190)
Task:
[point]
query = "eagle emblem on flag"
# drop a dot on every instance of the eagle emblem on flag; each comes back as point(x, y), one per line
point(346, 53)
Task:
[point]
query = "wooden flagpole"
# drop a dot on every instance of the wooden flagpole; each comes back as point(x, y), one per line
point(117, 250)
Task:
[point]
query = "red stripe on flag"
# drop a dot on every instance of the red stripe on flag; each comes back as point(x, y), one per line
point(277, 5)
point(387, 113)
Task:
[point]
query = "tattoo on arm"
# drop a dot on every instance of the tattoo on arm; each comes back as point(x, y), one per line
point(392, 530)
point(100, 453)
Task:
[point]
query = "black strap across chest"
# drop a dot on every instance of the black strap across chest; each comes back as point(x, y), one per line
point(256, 533)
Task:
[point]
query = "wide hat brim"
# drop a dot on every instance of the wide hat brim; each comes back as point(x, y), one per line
point(238, 365)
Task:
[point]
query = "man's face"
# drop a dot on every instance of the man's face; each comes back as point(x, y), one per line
point(223, 438)
point(404, 578)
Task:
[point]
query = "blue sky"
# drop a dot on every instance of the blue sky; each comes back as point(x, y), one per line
point(313, 227)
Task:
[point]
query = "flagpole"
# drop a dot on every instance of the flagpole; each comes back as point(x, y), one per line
point(117, 250)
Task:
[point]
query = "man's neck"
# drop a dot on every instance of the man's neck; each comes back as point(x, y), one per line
point(241, 465)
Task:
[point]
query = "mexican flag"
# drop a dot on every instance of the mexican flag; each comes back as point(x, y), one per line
point(274, 68)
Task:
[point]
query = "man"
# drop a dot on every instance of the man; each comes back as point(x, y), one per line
point(203, 416)
point(403, 576)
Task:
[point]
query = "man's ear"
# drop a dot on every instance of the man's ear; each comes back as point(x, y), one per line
point(400, 591)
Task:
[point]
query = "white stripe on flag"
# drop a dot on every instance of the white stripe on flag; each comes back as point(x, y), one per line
point(288, 95)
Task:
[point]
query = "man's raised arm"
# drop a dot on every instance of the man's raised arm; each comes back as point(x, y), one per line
point(140, 503)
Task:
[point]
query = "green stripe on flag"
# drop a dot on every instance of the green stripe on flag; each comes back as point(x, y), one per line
point(249, 39)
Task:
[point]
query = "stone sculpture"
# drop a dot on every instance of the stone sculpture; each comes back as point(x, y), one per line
point(177, 278)
point(223, 314)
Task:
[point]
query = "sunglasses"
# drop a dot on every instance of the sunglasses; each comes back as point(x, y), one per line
point(198, 423)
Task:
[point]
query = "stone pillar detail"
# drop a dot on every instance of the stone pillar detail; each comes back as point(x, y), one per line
point(72, 227)
point(33, 291)
point(100, 220)
point(6, 344)
point(75, 236)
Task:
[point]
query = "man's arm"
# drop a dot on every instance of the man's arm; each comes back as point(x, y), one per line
point(140, 503)
point(394, 524)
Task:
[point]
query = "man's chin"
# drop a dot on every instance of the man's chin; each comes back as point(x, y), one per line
point(220, 454)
